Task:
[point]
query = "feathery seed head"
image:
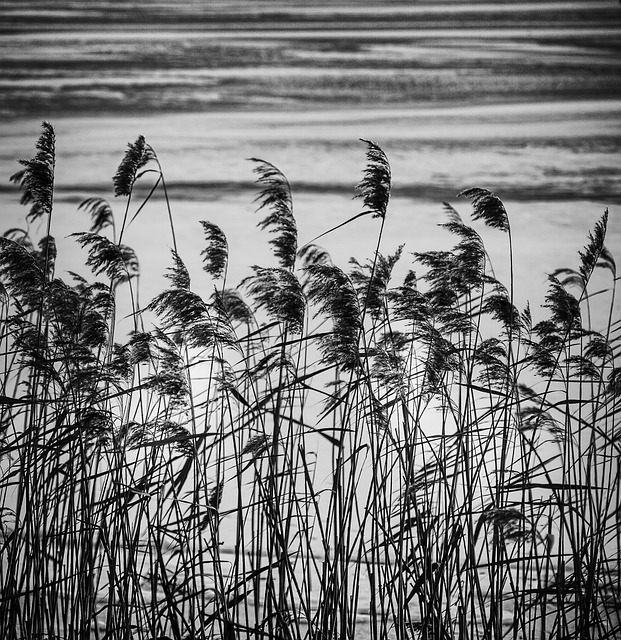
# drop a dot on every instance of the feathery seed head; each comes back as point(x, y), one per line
point(36, 180)
point(334, 293)
point(488, 207)
point(136, 157)
point(100, 211)
point(374, 188)
point(276, 197)
point(215, 255)
point(278, 291)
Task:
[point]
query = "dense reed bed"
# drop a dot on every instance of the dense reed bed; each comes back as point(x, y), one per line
point(318, 453)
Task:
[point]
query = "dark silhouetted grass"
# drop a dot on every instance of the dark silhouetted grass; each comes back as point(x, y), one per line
point(319, 453)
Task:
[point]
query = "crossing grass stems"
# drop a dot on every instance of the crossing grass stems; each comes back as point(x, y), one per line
point(472, 452)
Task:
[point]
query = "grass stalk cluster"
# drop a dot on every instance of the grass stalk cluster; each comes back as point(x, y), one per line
point(319, 453)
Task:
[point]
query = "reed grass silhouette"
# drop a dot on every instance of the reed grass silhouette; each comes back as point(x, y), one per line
point(472, 454)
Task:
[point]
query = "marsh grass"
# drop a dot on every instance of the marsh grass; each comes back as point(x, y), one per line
point(318, 453)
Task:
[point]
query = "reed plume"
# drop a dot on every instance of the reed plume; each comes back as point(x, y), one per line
point(36, 180)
